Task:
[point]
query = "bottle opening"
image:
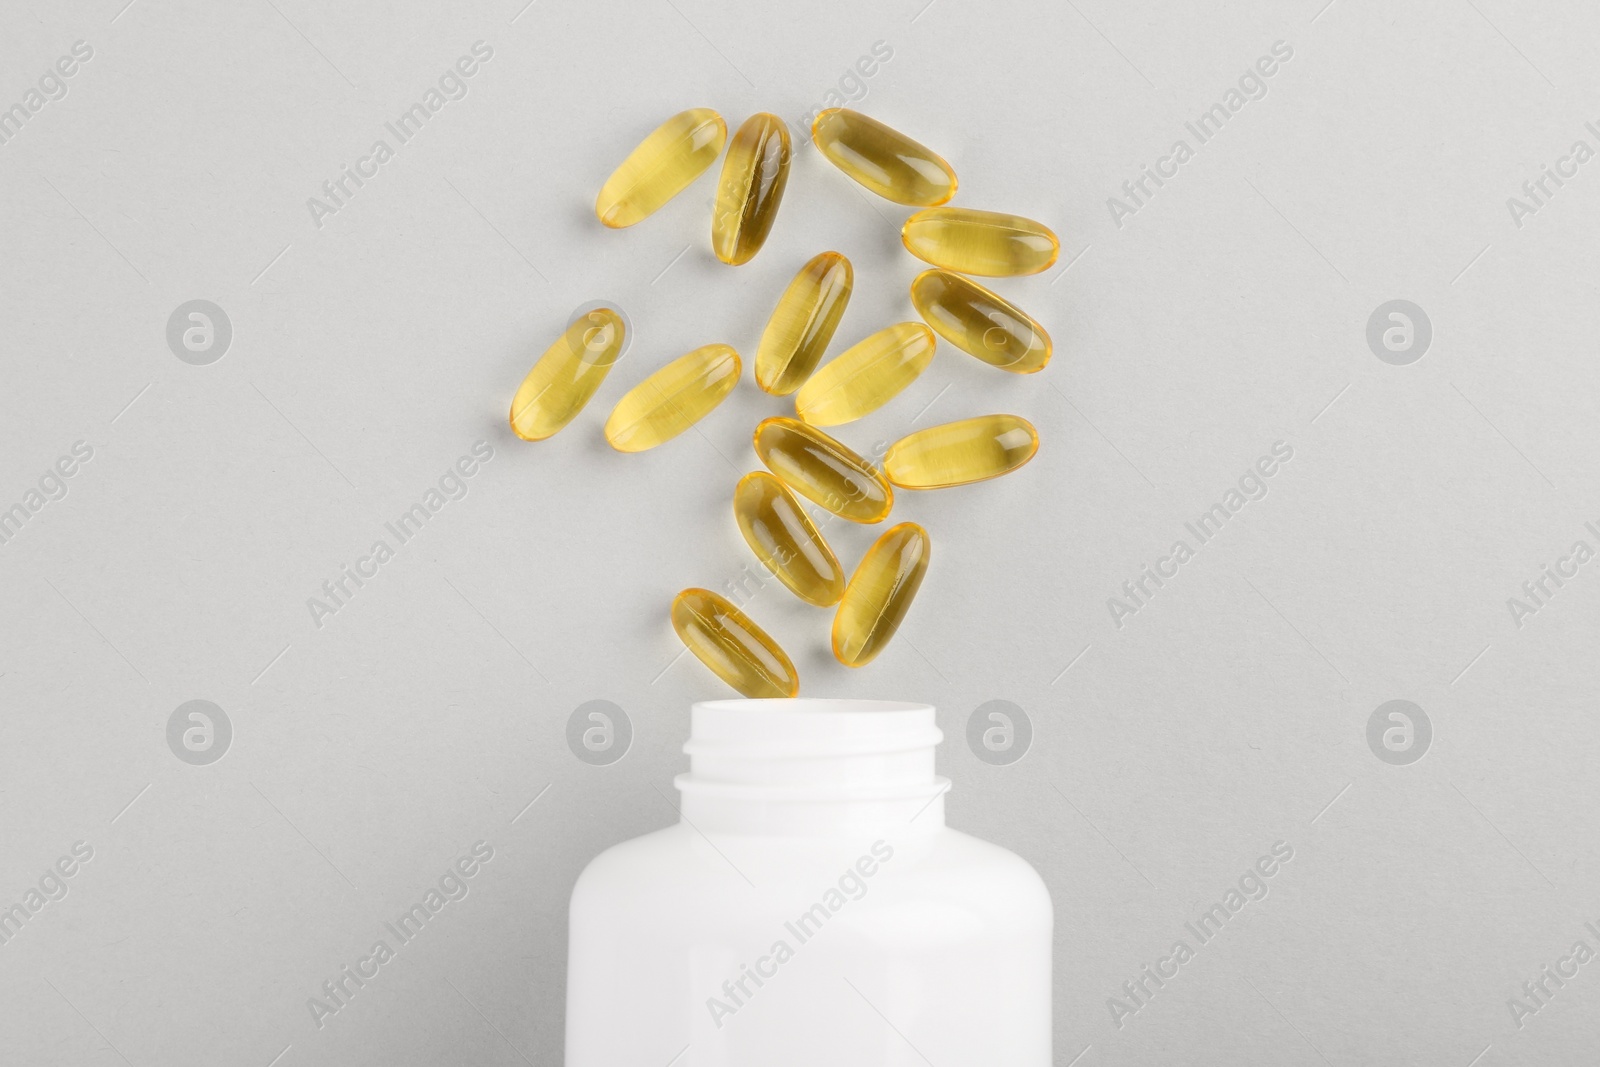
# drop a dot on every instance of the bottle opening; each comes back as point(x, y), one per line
point(768, 755)
point(811, 706)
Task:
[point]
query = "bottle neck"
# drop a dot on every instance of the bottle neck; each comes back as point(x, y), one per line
point(812, 768)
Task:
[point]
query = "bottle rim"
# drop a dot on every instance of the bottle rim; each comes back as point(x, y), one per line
point(788, 729)
point(688, 784)
point(810, 705)
point(812, 750)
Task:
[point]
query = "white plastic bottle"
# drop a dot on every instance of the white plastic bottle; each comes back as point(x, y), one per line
point(810, 907)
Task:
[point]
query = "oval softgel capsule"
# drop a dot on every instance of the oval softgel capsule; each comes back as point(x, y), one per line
point(880, 593)
point(662, 166)
point(803, 323)
point(751, 187)
point(979, 322)
point(987, 243)
point(673, 399)
point(962, 452)
point(734, 648)
point(866, 376)
point(567, 375)
point(785, 540)
point(823, 470)
point(882, 159)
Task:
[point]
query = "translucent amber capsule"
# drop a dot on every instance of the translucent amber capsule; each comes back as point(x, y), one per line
point(785, 539)
point(883, 159)
point(956, 453)
point(880, 594)
point(823, 471)
point(803, 323)
point(866, 376)
point(736, 649)
point(979, 322)
point(753, 177)
point(673, 399)
point(661, 167)
point(567, 375)
point(980, 242)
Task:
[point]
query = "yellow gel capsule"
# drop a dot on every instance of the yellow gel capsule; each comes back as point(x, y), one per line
point(866, 376)
point(883, 159)
point(979, 322)
point(823, 471)
point(980, 242)
point(753, 177)
point(785, 540)
point(675, 154)
point(957, 453)
point(567, 375)
point(803, 323)
point(880, 594)
point(673, 399)
point(736, 649)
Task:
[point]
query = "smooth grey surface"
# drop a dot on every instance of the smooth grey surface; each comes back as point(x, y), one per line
point(1227, 313)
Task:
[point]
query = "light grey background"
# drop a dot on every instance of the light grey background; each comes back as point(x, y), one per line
point(369, 354)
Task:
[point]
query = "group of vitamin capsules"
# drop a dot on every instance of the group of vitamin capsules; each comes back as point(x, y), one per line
point(800, 456)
